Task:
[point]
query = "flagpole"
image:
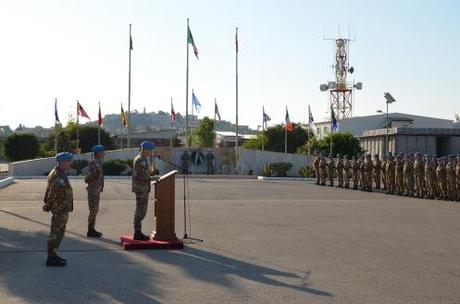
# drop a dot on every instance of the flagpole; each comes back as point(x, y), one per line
point(128, 139)
point(170, 128)
point(215, 108)
point(193, 122)
point(77, 131)
point(285, 134)
point(263, 128)
point(186, 93)
point(308, 131)
point(330, 136)
point(236, 101)
point(121, 128)
point(55, 126)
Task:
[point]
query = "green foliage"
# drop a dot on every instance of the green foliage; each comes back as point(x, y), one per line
point(255, 143)
point(267, 170)
point(203, 136)
point(311, 147)
point(307, 171)
point(343, 143)
point(273, 139)
point(79, 164)
point(114, 167)
point(281, 169)
point(20, 147)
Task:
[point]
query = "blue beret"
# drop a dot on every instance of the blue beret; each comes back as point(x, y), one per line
point(98, 148)
point(64, 156)
point(147, 145)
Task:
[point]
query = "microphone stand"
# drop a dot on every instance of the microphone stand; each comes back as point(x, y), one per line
point(185, 173)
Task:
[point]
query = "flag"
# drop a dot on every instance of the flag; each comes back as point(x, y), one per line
point(311, 121)
point(56, 117)
point(192, 42)
point(266, 118)
point(288, 122)
point(80, 111)
point(236, 40)
point(335, 124)
point(216, 111)
point(196, 103)
point(99, 116)
point(124, 123)
point(173, 113)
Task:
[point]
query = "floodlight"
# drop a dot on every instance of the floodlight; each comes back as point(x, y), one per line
point(332, 85)
point(359, 85)
point(351, 70)
point(323, 87)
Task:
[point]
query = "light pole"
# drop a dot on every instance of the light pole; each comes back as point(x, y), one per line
point(389, 99)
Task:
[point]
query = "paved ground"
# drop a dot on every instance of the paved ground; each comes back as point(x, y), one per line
point(265, 242)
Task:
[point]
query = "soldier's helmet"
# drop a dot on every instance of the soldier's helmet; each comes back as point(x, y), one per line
point(376, 156)
point(390, 154)
point(97, 149)
point(64, 156)
point(147, 145)
point(346, 156)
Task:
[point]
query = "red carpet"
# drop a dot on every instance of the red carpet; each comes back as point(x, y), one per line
point(129, 243)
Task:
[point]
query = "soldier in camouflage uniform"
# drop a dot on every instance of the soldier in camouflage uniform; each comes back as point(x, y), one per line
point(369, 167)
point(390, 171)
point(317, 170)
point(362, 174)
point(346, 171)
point(408, 172)
point(339, 167)
point(430, 177)
point(451, 179)
point(141, 180)
point(399, 174)
point(331, 170)
point(457, 172)
point(377, 171)
point(59, 200)
point(441, 178)
point(435, 164)
point(323, 170)
point(419, 172)
point(355, 172)
point(384, 172)
point(95, 181)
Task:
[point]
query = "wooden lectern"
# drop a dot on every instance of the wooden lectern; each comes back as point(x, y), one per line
point(165, 207)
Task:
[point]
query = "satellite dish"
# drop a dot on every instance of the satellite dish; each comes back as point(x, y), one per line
point(351, 70)
point(323, 87)
point(359, 85)
point(332, 85)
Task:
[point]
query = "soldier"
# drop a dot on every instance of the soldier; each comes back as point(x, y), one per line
point(419, 171)
point(362, 173)
point(59, 200)
point(399, 167)
point(323, 170)
point(451, 179)
point(435, 166)
point(430, 180)
point(457, 172)
point(384, 172)
point(185, 158)
point(369, 167)
point(209, 162)
point(339, 168)
point(355, 173)
point(441, 178)
point(95, 181)
point(390, 171)
point(316, 167)
point(408, 172)
point(377, 171)
point(331, 170)
point(141, 187)
point(346, 171)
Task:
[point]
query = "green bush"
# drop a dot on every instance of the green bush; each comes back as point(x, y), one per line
point(307, 171)
point(20, 147)
point(79, 164)
point(267, 170)
point(114, 167)
point(281, 169)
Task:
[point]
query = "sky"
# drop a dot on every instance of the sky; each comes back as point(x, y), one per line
point(78, 49)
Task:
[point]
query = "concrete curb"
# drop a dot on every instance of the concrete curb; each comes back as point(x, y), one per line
point(303, 179)
point(6, 182)
point(129, 177)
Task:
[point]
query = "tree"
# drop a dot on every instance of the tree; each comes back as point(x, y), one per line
point(274, 139)
point(203, 135)
point(20, 147)
point(343, 143)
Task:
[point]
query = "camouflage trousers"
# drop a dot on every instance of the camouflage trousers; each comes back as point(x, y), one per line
point(317, 175)
point(409, 184)
point(384, 180)
point(431, 188)
point(57, 231)
point(323, 177)
point(419, 185)
point(377, 179)
point(346, 177)
point(400, 183)
point(391, 183)
point(355, 180)
point(340, 179)
point(451, 189)
point(93, 206)
point(142, 199)
point(330, 177)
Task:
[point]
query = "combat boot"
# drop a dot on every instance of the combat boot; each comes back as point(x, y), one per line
point(139, 236)
point(93, 233)
point(55, 261)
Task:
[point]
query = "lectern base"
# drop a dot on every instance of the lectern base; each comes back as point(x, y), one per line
point(129, 243)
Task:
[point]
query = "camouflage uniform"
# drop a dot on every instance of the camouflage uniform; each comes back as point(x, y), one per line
point(323, 170)
point(355, 173)
point(457, 172)
point(399, 167)
point(331, 171)
point(346, 171)
point(451, 179)
point(317, 172)
point(59, 200)
point(95, 181)
point(408, 172)
point(384, 172)
point(390, 171)
point(419, 171)
point(441, 179)
point(362, 174)
point(435, 164)
point(339, 168)
point(141, 187)
point(377, 171)
point(368, 167)
point(430, 177)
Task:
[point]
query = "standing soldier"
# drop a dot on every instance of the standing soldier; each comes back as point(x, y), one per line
point(384, 172)
point(59, 200)
point(369, 167)
point(209, 162)
point(185, 158)
point(419, 171)
point(346, 171)
point(457, 172)
point(435, 164)
point(316, 167)
point(390, 171)
point(95, 181)
point(377, 171)
point(362, 173)
point(441, 178)
point(323, 170)
point(430, 180)
point(141, 187)
point(355, 172)
point(339, 167)
point(408, 172)
point(399, 167)
point(451, 179)
point(331, 170)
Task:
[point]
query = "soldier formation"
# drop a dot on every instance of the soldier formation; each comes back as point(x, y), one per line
point(411, 175)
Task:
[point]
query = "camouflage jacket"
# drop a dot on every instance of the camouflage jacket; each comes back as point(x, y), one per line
point(457, 171)
point(390, 169)
point(399, 166)
point(141, 175)
point(346, 165)
point(408, 169)
point(316, 163)
point(95, 176)
point(377, 165)
point(441, 173)
point(58, 195)
point(339, 165)
point(369, 165)
point(419, 167)
point(450, 171)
